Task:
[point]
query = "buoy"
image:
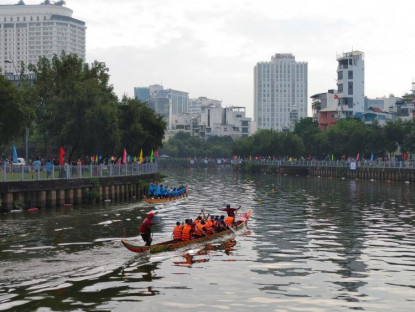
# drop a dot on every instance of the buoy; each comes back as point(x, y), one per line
point(67, 205)
point(388, 181)
point(259, 199)
point(33, 209)
point(407, 182)
point(372, 180)
point(107, 200)
point(343, 178)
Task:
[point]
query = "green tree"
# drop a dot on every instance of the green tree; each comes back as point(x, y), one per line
point(140, 127)
point(309, 132)
point(12, 116)
point(77, 106)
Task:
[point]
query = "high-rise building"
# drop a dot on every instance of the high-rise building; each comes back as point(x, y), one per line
point(351, 84)
point(196, 104)
point(30, 31)
point(165, 102)
point(280, 92)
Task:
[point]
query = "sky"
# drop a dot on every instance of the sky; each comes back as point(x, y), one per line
point(210, 47)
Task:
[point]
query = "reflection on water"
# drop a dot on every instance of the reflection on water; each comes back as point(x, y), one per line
point(312, 245)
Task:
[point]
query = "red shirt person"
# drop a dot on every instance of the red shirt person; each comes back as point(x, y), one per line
point(145, 228)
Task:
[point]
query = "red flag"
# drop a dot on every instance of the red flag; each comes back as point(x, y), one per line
point(405, 156)
point(61, 153)
point(358, 156)
point(124, 157)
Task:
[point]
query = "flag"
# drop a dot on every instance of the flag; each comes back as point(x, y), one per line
point(141, 156)
point(135, 158)
point(61, 153)
point(157, 155)
point(15, 155)
point(371, 156)
point(357, 156)
point(151, 156)
point(124, 157)
point(405, 156)
point(332, 156)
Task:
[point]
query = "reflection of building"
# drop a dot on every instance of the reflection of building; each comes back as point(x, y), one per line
point(279, 86)
point(351, 84)
point(30, 31)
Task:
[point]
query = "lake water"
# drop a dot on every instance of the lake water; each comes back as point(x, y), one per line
point(311, 245)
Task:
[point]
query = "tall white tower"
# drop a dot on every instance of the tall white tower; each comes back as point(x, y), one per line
point(351, 84)
point(30, 31)
point(280, 90)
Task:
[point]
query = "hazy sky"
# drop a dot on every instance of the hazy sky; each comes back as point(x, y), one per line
point(210, 47)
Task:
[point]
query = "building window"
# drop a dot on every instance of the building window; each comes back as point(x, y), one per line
point(340, 87)
point(350, 74)
point(350, 88)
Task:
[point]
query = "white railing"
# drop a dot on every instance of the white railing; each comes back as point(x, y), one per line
point(11, 173)
point(331, 163)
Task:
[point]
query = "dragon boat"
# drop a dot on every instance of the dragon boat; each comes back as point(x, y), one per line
point(162, 200)
point(174, 244)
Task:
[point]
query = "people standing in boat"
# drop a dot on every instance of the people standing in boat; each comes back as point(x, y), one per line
point(178, 231)
point(145, 228)
point(230, 211)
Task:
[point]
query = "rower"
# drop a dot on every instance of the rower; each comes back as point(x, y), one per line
point(187, 230)
point(178, 231)
point(200, 229)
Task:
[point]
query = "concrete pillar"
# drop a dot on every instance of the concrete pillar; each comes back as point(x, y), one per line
point(7, 201)
point(51, 198)
point(60, 197)
point(41, 199)
point(100, 197)
point(106, 193)
point(69, 196)
point(78, 196)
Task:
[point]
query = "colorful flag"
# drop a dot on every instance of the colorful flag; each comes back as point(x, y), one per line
point(372, 156)
point(15, 155)
point(405, 156)
point(124, 157)
point(157, 155)
point(332, 156)
point(357, 156)
point(151, 156)
point(61, 153)
point(141, 156)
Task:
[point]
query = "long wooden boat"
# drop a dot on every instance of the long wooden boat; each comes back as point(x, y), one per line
point(174, 244)
point(164, 199)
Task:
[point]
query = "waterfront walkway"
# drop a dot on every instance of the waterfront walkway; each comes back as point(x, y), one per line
point(10, 173)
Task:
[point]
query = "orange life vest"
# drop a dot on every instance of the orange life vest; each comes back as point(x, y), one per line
point(229, 220)
point(208, 228)
point(177, 232)
point(199, 229)
point(187, 229)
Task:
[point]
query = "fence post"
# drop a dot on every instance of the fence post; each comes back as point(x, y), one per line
point(22, 173)
point(101, 170)
point(53, 171)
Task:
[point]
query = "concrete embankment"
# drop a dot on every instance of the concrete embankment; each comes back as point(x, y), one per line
point(51, 193)
point(375, 173)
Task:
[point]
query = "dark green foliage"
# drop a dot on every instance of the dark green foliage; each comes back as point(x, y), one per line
point(140, 127)
point(183, 145)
